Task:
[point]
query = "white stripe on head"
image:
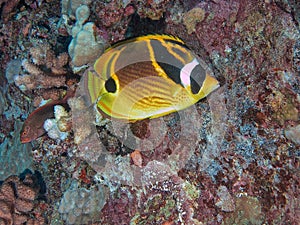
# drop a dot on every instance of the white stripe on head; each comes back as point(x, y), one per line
point(186, 71)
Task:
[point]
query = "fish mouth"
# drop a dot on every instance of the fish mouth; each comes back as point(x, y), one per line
point(25, 140)
point(210, 84)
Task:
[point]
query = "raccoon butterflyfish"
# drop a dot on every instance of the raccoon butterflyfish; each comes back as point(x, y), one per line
point(148, 77)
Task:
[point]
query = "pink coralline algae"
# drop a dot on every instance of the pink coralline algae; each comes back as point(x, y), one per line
point(213, 24)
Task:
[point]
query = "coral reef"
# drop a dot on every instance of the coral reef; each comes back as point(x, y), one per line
point(120, 209)
point(112, 14)
point(82, 117)
point(14, 103)
point(85, 47)
point(192, 17)
point(152, 9)
point(19, 202)
point(69, 7)
point(47, 77)
point(248, 211)
point(226, 202)
point(8, 8)
point(293, 134)
point(14, 67)
point(82, 206)
point(42, 55)
point(231, 158)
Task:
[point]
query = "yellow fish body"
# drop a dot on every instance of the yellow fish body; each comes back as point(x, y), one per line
point(148, 77)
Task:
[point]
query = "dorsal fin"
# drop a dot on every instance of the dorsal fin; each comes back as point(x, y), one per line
point(165, 37)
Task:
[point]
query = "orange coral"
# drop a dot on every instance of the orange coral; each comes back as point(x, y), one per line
point(137, 158)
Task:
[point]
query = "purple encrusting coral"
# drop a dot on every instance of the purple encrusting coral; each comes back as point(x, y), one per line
point(233, 158)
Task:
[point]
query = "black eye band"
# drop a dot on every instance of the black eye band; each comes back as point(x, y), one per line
point(173, 72)
point(197, 78)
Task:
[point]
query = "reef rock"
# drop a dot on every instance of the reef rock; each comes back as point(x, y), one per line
point(80, 205)
point(84, 47)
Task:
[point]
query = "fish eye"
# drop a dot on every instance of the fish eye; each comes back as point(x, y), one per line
point(25, 131)
point(197, 78)
point(110, 85)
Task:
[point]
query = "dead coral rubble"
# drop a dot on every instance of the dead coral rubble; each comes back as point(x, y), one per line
point(18, 201)
point(45, 71)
